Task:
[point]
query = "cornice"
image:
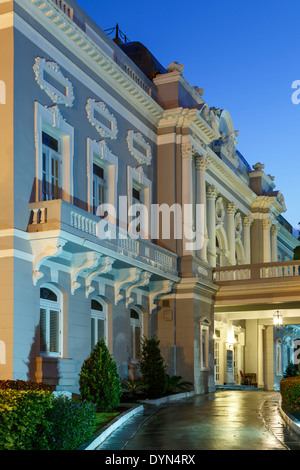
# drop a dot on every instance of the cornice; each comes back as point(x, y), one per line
point(223, 172)
point(189, 118)
point(65, 30)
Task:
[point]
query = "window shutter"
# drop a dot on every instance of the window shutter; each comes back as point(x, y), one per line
point(137, 342)
point(101, 329)
point(54, 331)
point(43, 341)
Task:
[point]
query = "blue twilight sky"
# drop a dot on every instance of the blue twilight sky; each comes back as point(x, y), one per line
point(245, 55)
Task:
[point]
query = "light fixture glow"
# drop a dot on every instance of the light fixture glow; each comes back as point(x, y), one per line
point(277, 318)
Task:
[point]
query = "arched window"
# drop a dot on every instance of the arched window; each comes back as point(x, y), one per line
point(136, 334)
point(50, 322)
point(98, 322)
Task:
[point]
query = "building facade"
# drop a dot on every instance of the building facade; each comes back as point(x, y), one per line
point(87, 121)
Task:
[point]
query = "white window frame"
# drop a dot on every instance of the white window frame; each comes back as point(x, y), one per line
point(99, 315)
point(135, 323)
point(137, 179)
point(278, 357)
point(51, 121)
point(56, 306)
point(204, 335)
point(99, 154)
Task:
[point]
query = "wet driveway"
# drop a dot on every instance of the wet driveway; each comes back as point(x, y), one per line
point(225, 420)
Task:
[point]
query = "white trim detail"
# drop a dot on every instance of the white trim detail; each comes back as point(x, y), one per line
point(52, 68)
point(104, 267)
point(98, 106)
point(90, 260)
point(142, 158)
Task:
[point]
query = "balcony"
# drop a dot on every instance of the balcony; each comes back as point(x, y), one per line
point(266, 271)
point(80, 230)
point(265, 283)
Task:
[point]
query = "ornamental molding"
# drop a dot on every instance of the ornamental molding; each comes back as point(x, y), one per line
point(82, 267)
point(238, 222)
point(42, 251)
point(157, 290)
point(220, 210)
point(72, 36)
point(104, 268)
point(142, 157)
point(99, 107)
point(143, 281)
point(124, 279)
point(57, 116)
point(42, 67)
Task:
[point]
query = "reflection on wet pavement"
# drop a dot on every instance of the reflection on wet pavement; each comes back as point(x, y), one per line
point(225, 420)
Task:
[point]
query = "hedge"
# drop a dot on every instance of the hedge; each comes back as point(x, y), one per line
point(22, 419)
point(35, 420)
point(290, 393)
point(24, 385)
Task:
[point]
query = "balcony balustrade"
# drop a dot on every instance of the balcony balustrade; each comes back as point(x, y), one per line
point(60, 215)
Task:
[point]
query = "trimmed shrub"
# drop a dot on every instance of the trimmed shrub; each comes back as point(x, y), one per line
point(99, 381)
point(291, 370)
point(290, 392)
point(22, 419)
point(153, 368)
point(71, 423)
point(24, 385)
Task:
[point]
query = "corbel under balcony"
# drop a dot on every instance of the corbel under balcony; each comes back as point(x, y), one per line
point(42, 251)
point(104, 267)
point(158, 289)
point(125, 277)
point(82, 265)
point(144, 280)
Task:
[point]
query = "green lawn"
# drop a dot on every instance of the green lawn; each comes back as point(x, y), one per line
point(103, 418)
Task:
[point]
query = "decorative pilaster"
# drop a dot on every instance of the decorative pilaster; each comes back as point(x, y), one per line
point(274, 250)
point(260, 357)
point(187, 196)
point(212, 193)
point(247, 222)
point(231, 210)
point(267, 223)
point(201, 165)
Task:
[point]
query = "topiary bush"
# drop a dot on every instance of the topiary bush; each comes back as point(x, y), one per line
point(71, 423)
point(153, 368)
point(290, 393)
point(291, 370)
point(23, 423)
point(99, 381)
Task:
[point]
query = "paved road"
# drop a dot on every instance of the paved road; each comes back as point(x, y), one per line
point(225, 420)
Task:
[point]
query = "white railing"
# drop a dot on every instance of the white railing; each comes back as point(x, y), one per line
point(83, 223)
point(281, 269)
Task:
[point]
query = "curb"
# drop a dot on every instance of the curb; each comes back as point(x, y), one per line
point(168, 399)
point(290, 420)
point(109, 428)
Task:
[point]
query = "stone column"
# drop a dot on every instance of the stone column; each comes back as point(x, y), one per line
point(231, 209)
point(266, 240)
point(187, 196)
point(274, 251)
point(212, 193)
point(201, 165)
point(260, 357)
point(247, 222)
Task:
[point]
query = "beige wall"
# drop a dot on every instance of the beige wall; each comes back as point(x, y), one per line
point(6, 191)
